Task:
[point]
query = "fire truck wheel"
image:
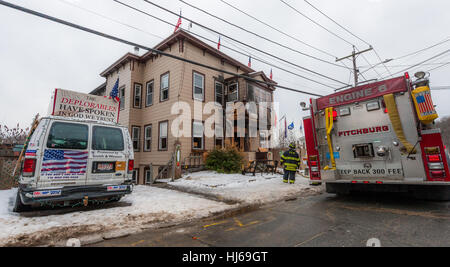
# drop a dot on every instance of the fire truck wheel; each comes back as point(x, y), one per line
point(19, 206)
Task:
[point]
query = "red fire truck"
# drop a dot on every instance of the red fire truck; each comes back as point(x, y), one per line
point(378, 137)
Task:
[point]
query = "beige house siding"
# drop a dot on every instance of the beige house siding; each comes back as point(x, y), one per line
point(180, 89)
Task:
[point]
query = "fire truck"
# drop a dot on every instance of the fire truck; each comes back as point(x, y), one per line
point(378, 137)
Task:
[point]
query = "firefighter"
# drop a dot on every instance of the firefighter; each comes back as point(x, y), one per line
point(291, 161)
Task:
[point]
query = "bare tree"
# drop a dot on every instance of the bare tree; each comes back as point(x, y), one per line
point(13, 136)
point(444, 125)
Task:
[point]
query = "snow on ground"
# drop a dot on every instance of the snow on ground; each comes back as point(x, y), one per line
point(246, 189)
point(145, 207)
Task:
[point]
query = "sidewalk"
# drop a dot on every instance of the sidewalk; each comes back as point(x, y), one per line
point(147, 207)
point(245, 190)
point(195, 196)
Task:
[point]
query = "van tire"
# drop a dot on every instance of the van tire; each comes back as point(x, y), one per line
point(19, 206)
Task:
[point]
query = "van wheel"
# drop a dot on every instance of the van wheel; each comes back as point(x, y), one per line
point(19, 206)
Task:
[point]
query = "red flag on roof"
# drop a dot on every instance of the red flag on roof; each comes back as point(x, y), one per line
point(178, 23)
point(218, 44)
point(271, 74)
point(250, 62)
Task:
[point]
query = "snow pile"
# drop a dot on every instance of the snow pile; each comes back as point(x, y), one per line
point(246, 189)
point(144, 208)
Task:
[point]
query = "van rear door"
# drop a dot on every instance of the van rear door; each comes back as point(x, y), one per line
point(109, 157)
point(65, 155)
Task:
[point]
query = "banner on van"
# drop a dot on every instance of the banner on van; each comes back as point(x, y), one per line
point(72, 104)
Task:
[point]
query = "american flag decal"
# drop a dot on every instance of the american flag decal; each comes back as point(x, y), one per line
point(30, 153)
point(64, 161)
point(425, 104)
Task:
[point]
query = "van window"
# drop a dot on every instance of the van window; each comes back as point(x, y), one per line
point(107, 138)
point(68, 136)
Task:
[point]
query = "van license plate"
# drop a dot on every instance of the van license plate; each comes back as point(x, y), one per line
point(105, 166)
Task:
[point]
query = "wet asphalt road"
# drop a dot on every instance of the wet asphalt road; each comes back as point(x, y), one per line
point(323, 220)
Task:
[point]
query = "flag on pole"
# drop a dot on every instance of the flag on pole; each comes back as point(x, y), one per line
point(250, 62)
point(115, 92)
point(219, 44)
point(291, 126)
point(271, 74)
point(178, 23)
point(285, 128)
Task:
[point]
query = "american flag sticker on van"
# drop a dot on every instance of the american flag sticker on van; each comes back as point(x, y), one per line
point(64, 161)
point(30, 153)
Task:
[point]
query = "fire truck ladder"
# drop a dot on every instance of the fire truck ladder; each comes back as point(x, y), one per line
point(329, 119)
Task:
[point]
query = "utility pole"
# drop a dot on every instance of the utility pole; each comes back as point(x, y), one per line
point(353, 56)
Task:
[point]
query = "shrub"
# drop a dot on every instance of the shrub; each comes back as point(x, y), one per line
point(224, 161)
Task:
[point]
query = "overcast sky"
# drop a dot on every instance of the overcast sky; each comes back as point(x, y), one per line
point(37, 55)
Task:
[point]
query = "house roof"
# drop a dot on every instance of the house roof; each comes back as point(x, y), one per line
point(180, 34)
point(98, 89)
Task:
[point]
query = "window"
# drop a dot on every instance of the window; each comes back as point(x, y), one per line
point(164, 87)
point(197, 135)
point(148, 138)
point(122, 97)
point(137, 95)
point(68, 136)
point(148, 176)
point(135, 176)
point(149, 94)
point(135, 136)
point(218, 136)
point(219, 93)
point(263, 140)
point(163, 133)
point(199, 87)
point(108, 139)
point(233, 90)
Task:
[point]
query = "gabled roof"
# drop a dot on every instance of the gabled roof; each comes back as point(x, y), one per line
point(100, 89)
point(180, 34)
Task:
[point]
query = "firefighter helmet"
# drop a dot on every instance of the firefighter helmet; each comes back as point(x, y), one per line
point(292, 145)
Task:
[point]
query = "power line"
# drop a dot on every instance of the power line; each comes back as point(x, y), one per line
point(419, 64)
point(275, 66)
point(109, 18)
point(117, 39)
point(235, 40)
point(354, 35)
point(406, 65)
point(172, 24)
point(443, 65)
point(277, 30)
point(313, 21)
point(260, 36)
point(317, 9)
point(424, 49)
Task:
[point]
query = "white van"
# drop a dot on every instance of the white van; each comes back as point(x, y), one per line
point(71, 162)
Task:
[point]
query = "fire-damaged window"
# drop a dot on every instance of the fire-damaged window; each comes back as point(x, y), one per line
point(363, 151)
point(233, 92)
